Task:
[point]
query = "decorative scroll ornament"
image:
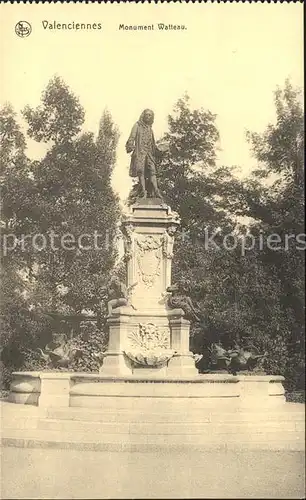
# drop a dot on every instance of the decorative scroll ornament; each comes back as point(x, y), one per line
point(128, 231)
point(149, 345)
point(168, 241)
point(149, 258)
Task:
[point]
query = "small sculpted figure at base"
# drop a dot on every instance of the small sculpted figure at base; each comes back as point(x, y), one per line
point(118, 294)
point(237, 359)
point(59, 353)
point(219, 358)
point(178, 299)
point(244, 359)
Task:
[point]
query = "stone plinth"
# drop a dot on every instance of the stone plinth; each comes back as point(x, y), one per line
point(149, 236)
point(25, 388)
point(144, 391)
point(148, 335)
point(55, 389)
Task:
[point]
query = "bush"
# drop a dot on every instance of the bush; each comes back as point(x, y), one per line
point(5, 377)
point(295, 397)
point(92, 342)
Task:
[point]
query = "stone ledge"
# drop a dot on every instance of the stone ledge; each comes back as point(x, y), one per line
point(66, 389)
point(196, 379)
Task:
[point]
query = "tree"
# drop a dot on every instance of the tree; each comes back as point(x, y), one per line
point(20, 326)
point(75, 202)
point(107, 142)
point(60, 116)
point(47, 205)
point(279, 210)
point(16, 181)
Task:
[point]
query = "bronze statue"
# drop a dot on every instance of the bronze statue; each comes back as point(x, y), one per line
point(178, 299)
point(59, 353)
point(244, 359)
point(145, 154)
point(219, 357)
point(118, 294)
point(234, 360)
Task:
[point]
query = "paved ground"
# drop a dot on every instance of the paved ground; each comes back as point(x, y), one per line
point(64, 474)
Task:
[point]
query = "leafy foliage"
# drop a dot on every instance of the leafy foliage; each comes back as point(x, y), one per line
point(60, 214)
point(60, 116)
point(74, 201)
point(92, 342)
point(279, 150)
point(245, 295)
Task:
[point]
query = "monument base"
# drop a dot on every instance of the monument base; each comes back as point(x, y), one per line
point(94, 412)
point(66, 389)
point(151, 342)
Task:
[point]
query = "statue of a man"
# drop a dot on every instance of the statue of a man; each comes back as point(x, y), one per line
point(145, 153)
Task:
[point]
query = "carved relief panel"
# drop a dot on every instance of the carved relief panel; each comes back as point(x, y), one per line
point(149, 345)
point(148, 258)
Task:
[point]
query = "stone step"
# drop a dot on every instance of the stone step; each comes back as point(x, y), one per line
point(144, 442)
point(100, 429)
point(169, 404)
point(290, 413)
point(142, 426)
point(101, 415)
point(170, 428)
point(190, 415)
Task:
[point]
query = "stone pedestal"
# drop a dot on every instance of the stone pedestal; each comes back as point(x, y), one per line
point(55, 389)
point(260, 389)
point(147, 337)
point(182, 363)
point(115, 361)
point(25, 388)
point(149, 236)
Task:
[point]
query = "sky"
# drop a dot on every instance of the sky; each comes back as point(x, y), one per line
point(230, 60)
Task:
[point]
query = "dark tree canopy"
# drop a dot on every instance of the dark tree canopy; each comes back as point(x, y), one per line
point(67, 192)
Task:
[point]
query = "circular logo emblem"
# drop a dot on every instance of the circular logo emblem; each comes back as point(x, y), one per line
point(23, 29)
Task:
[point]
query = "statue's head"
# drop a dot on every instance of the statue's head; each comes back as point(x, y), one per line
point(59, 338)
point(171, 230)
point(147, 116)
point(115, 281)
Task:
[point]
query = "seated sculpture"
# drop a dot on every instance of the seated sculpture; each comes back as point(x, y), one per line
point(244, 359)
point(118, 294)
point(219, 357)
point(231, 360)
point(178, 299)
point(59, 353)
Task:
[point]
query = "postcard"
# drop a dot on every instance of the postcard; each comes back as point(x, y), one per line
point(152, 239)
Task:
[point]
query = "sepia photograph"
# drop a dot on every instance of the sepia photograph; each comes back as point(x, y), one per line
point(152, 308)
